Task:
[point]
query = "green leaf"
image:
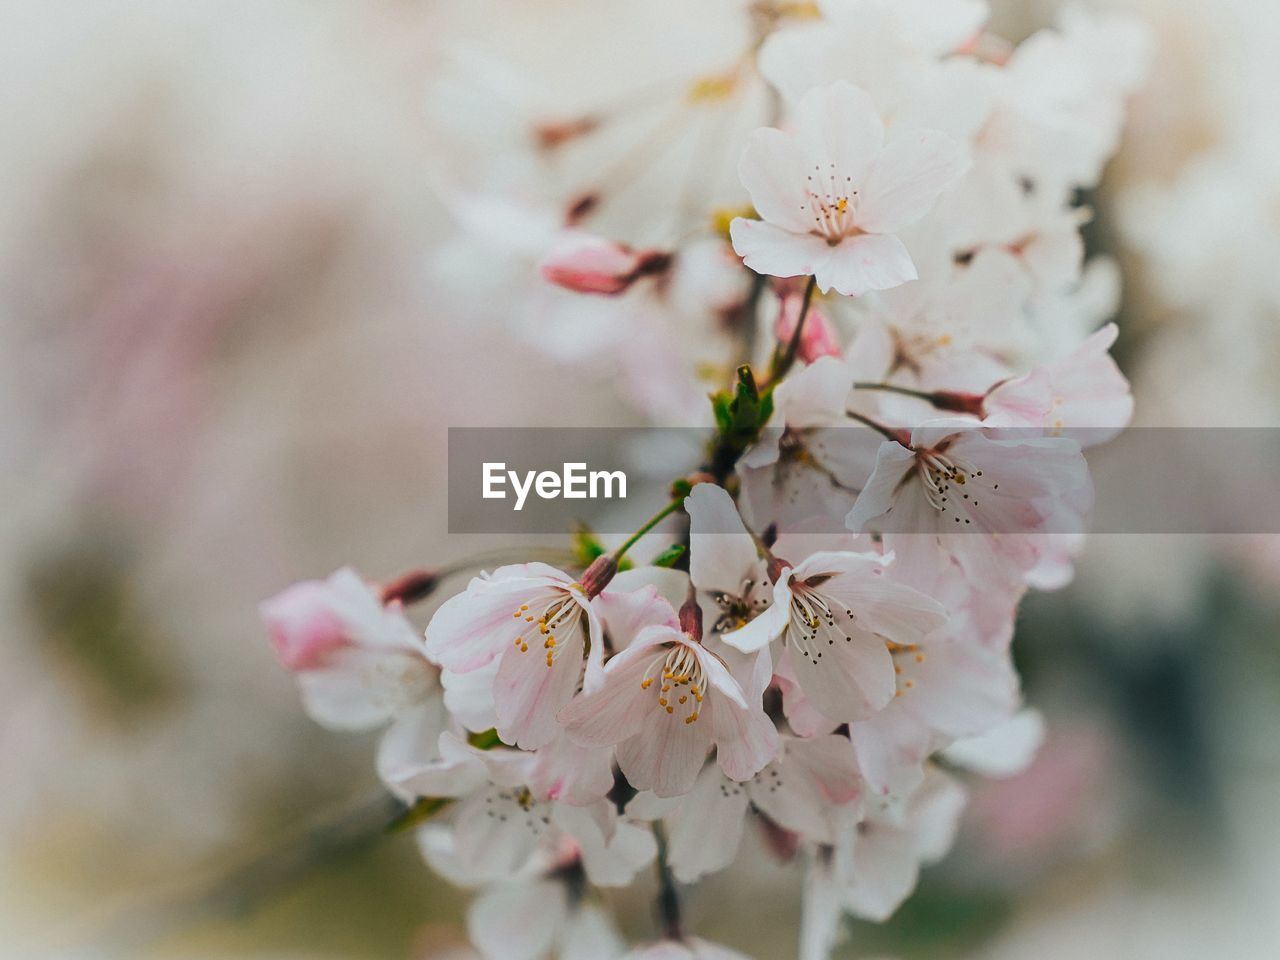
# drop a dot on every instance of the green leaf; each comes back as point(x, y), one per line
point(670, 556)
point(586, 545)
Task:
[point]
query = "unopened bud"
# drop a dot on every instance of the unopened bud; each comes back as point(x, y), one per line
point(411, 587)
point(959, 402)
point(691, 617)
point(597, 576)
point(817, 339)
point(585, 263)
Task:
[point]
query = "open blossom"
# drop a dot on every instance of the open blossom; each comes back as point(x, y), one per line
point(665, 701)
point(833, 194)
point(1003, 504)
point(799, 791)
point(1083, 395)
point(539, 624)
point(834, 614)
point(359, 663)
point(514, 806)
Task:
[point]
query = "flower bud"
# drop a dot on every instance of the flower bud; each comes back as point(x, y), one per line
point(818, 339)
point(302, 625)
point(585, 263)
point(597, 576)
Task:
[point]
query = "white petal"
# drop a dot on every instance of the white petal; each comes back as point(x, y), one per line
point(839, 130)
point(777, 252)
point(666, 755)
point(707, 831)
point(906, 180)
point(528, 693)
point(860, 264)
point(721, 552)
point(517, 921)
point(773, 171)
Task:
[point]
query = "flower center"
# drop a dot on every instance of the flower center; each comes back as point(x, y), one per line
point(517, 804)
point(559, 612)
point(737, 609)
point(832, 201)
point(683, 681)
point(950, 485)
point(816, 621)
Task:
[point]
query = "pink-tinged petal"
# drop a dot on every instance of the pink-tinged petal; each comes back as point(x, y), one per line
point(777, 252)
point(894, 463)
point(851, 679)
point(860, 264)
point(572, 773)
point(839, 131)
point(828, 761)
point(707, 830)
point(893, 611)
point(907, 178)
point(666, 755)
point(612, 852)
point(721, 552)
point(626, 613)
point(517, 921)
point(746, 739)
point(528, 692)
point(816, 395)
point(817, 339)
point(773, 172)
point(471, 629)
point(302, 626)
point(585, 263)
point(891, 749)
point(454, 770)
point(619, 708)
point(805, 719)
point(719, 678)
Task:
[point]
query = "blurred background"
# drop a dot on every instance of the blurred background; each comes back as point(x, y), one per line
point(236, 319)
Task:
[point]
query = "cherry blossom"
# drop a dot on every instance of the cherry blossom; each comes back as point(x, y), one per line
point(833, 614)
point(664, 702)
point(997, 502)
point(538, 622)
point(1084, 395)
point(535, 919)
point(832, 193)
point(588, 264)
point(514, 806)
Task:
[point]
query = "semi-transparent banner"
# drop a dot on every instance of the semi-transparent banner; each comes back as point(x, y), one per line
point(1146, 480)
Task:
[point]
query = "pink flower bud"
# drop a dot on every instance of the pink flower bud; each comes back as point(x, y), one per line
point(589, 264)
point(302, 625)
point(818, 339)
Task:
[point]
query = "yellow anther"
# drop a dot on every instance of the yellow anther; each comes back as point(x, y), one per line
point(684, 699)
point(909, 684)
point(919, 658)
point(549, 642)
point(662, 701)
point(842, 204)
point(697, 697)
point(714, 87)
point(645, 683)
point(691, 718)
point(671, 709)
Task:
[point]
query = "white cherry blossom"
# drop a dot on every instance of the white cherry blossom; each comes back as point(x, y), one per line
point(833, 194)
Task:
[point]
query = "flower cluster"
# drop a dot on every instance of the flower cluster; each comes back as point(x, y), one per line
point(902, 291)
